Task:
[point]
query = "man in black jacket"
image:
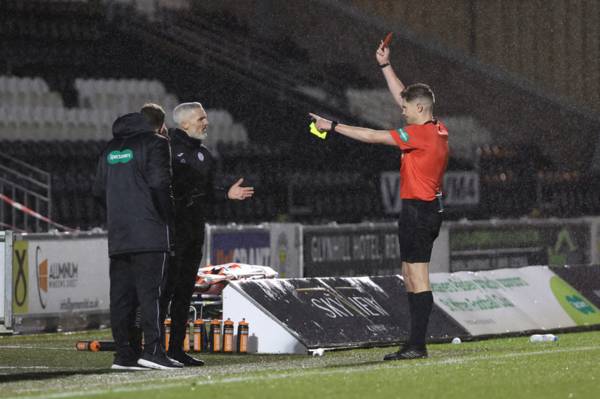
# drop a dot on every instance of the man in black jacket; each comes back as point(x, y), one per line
point(134, 183)
point(195, 192)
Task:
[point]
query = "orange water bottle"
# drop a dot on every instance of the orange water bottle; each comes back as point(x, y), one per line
point(198, 335)
point(228, 336)
point(167, 333)
point(242, 336)
point(95, 346)
point(186, 339)
point(215, 335)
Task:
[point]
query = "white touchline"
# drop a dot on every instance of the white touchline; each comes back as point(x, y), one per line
point(35, 347)
point(24, 367)
point(302, 374)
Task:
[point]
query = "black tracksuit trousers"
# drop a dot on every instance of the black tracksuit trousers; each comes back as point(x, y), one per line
point(181, 278)
point(137, 279)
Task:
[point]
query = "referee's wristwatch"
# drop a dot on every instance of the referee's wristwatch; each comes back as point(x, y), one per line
point(333, 125)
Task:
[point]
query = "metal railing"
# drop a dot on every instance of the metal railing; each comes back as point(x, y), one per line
point(26, 185)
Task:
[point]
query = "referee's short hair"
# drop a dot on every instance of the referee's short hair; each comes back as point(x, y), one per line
point(418, 91)
point(155, 114)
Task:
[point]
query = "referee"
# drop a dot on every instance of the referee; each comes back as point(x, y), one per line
point(424, 145)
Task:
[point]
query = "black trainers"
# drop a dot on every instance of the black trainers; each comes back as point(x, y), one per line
point(185, 359)
point(175, 362)
point(121, 364)
point(158, 361)
point(407, 352)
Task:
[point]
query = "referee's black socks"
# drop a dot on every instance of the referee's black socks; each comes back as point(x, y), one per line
point(420, 305)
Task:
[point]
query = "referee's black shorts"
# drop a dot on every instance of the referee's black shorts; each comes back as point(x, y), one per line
point(418, 227)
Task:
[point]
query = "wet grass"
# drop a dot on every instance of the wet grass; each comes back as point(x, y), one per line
point(47, 366)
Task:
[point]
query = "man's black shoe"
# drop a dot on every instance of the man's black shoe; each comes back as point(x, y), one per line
point(126, 364)
point(158, 361)
point(175, 362)
point(407, 352)
point(185, 359)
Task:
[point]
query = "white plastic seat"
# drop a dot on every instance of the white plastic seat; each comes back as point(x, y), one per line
point(5, 133)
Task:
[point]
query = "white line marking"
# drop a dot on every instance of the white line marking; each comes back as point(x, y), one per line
point(303, 373)
point(23, 367)
point(36, 347)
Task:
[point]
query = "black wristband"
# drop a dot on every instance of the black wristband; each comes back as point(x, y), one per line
point(333, 125)
point(384, 65)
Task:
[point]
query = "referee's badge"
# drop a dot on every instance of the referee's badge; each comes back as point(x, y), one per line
point(200, 156)
point(403, 135)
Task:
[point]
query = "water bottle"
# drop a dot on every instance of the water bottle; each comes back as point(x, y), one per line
point(228, 336)
point(167, 333)
point(215, 336)
point(550, 338)
point(543, 338)
point(198, 335)
point(242, 336)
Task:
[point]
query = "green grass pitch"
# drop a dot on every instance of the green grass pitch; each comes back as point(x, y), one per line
point(47, 366)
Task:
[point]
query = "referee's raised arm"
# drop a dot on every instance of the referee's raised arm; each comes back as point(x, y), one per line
point(394, 83)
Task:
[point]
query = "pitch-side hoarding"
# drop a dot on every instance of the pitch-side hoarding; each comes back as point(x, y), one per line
point(59, 278)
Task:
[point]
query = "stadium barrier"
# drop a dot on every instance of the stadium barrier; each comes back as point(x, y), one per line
point(278, 245)
point(351, 250)
point(508, 301)
point(495, 244)
point(585, 279)
point(59, 281)
point(6, 243)
point(301, 315)
point(293, 250)
point(372, 248)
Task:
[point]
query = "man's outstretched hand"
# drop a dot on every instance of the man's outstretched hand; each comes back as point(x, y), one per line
point(321, 123)
point(237, 192)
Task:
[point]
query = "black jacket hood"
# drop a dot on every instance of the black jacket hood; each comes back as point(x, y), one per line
point(131, 124)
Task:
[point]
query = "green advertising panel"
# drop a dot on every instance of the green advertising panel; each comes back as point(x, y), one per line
point(507, 245)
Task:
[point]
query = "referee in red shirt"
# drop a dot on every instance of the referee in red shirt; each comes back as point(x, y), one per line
point(424, 145)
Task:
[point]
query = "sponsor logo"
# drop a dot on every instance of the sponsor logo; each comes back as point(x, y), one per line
point(346, 248)
point(282, 251)
point(63, 275)
point(558, 255)
point(403, 135)
point(574, 304)
point(117, 156)
point(390, 192)
point(53, 275)
point(251, 256)
point(42, 277)
point(20, 272)
point(70, 305)
point(253, 248)
point(340, 306)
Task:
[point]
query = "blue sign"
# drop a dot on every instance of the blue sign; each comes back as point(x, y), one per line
point(251, 247)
